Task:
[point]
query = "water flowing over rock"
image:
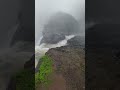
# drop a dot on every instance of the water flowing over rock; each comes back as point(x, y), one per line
point(52, 38)
point(44, 47)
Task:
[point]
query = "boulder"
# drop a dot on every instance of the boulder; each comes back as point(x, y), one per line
point(59, 25)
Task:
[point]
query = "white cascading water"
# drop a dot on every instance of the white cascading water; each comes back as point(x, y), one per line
point(43, 48)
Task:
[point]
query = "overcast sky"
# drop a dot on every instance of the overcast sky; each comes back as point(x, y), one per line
point(45, 8)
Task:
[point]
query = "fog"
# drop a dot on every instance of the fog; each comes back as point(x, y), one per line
point(45, 8)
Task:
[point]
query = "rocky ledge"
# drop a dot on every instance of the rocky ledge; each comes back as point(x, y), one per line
point(70, 63)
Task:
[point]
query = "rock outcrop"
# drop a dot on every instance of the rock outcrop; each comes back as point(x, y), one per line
point(59, 25)
point(77, 41)
point(70, 63)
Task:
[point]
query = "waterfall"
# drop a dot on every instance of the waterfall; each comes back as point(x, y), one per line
point(38, 42)
point(44, 47)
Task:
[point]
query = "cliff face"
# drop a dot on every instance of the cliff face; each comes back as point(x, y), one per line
point(59, 25)
point(77, 42)
point(70, 63)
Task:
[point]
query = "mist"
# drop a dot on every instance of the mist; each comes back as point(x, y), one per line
point(46, 8)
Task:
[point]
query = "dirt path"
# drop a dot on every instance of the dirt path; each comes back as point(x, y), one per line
point(69, 69)
point(59, 83)
point(70, 63)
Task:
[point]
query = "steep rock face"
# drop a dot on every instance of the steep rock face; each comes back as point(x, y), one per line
point(60, 24)
point(77, 41)
point(70, 63)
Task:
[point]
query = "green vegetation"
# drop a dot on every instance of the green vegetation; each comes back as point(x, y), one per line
point(25, 80)
point(42, 77)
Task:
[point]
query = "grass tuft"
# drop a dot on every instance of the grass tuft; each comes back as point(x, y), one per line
point(43, 75)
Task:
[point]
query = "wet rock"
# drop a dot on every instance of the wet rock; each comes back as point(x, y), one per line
point(52, 38)
point(70, 62)
point(59, 25)
point(77, 41)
